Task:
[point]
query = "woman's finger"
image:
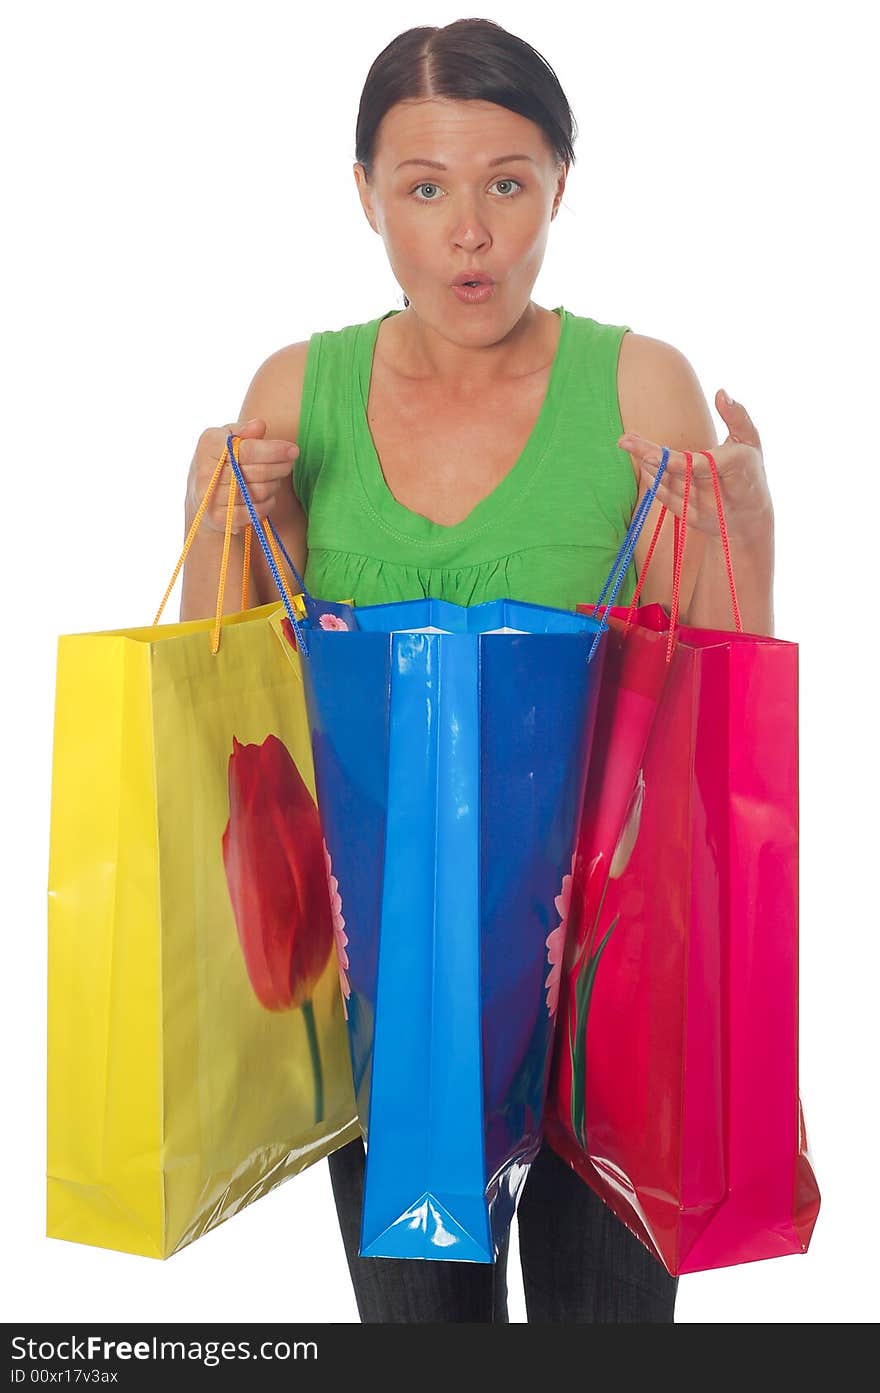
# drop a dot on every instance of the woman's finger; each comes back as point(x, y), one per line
point(672, 498)
point(669, 487)
point(738, 421)
point(671, 493)
point(650, 455)
point(664, 499)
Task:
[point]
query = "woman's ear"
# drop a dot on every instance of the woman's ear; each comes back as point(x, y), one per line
point(363, 188)
point(560, 190)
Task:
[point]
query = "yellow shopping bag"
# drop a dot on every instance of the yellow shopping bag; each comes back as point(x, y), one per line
point(197, 1050)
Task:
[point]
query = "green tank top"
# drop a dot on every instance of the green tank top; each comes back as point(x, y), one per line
point(547, 533)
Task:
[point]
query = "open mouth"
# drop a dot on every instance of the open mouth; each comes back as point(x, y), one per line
point(474, 292)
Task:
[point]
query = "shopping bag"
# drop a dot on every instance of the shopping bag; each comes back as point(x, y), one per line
point(449, 757)
point(197, 1051)
point(450, 748)
point(675, 1090)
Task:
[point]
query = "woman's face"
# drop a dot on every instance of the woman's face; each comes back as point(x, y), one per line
point(476, 208)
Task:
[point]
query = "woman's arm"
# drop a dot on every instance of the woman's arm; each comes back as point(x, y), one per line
point(660, 399)
point(273, 396)
point(658, 388)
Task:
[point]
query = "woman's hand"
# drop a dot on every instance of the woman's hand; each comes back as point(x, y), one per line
point(748, 508)
point(266, 465)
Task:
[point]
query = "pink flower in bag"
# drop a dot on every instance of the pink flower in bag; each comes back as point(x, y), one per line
point(339, 934)
point(556, 941)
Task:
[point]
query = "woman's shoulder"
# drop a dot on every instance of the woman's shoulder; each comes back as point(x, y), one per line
point(638, 352)
point(275, 391)
point(651, 374)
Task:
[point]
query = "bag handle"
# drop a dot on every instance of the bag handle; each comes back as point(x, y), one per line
point(621, 561)
point(679, 538)
point(722, 527)
point(238, 485)
point(268, 548)
point(679, 535)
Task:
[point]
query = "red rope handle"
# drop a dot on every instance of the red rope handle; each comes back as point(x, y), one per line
point(679, 537)
point(724, 542)
point(638, 590)
point(678, 554)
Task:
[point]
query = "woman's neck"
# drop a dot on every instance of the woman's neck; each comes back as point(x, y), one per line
point(414, 350)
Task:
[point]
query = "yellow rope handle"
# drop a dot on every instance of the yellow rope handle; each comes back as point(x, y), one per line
point(224, 560)
point(273, 547)
point(248, 532)
point(227, 534)
point(297, 601)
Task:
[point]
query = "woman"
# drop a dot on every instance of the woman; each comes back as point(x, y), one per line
point(472, 446)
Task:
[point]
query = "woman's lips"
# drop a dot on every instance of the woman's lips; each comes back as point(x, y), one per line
point(474, 294)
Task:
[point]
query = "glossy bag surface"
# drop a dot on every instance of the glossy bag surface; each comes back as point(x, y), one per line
point(450, 749)
point(197, 1052)
point(675, 1080)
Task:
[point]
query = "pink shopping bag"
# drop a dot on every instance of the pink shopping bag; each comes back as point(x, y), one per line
point(674, 1090)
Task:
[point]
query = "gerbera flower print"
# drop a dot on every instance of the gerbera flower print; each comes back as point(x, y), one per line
point(556, 941)
point(339, 934)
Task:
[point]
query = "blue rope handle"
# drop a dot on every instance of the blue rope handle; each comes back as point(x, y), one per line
point(267, 551)
point(296, 575)
point(627, 547)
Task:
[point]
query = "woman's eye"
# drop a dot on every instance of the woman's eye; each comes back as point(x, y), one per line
point(508, 182)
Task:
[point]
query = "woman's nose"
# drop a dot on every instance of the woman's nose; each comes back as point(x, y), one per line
point(470, 229)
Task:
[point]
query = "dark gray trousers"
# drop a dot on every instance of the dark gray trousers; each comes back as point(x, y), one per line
point(580, 1264)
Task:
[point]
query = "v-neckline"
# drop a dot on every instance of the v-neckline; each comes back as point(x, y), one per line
point(396, 516)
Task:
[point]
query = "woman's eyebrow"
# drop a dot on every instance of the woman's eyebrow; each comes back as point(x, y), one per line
point(434, 164)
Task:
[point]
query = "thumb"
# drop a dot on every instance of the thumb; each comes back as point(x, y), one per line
point(740, 426)
point(246, 430)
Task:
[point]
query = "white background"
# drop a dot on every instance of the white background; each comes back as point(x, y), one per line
point(179, 203)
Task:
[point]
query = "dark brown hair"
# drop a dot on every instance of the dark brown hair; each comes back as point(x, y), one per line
point(469, 60)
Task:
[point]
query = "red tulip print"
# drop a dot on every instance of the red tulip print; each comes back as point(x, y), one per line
point(273, 853)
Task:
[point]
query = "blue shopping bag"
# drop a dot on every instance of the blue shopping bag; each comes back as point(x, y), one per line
point(449, 756)
point(451, 748)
